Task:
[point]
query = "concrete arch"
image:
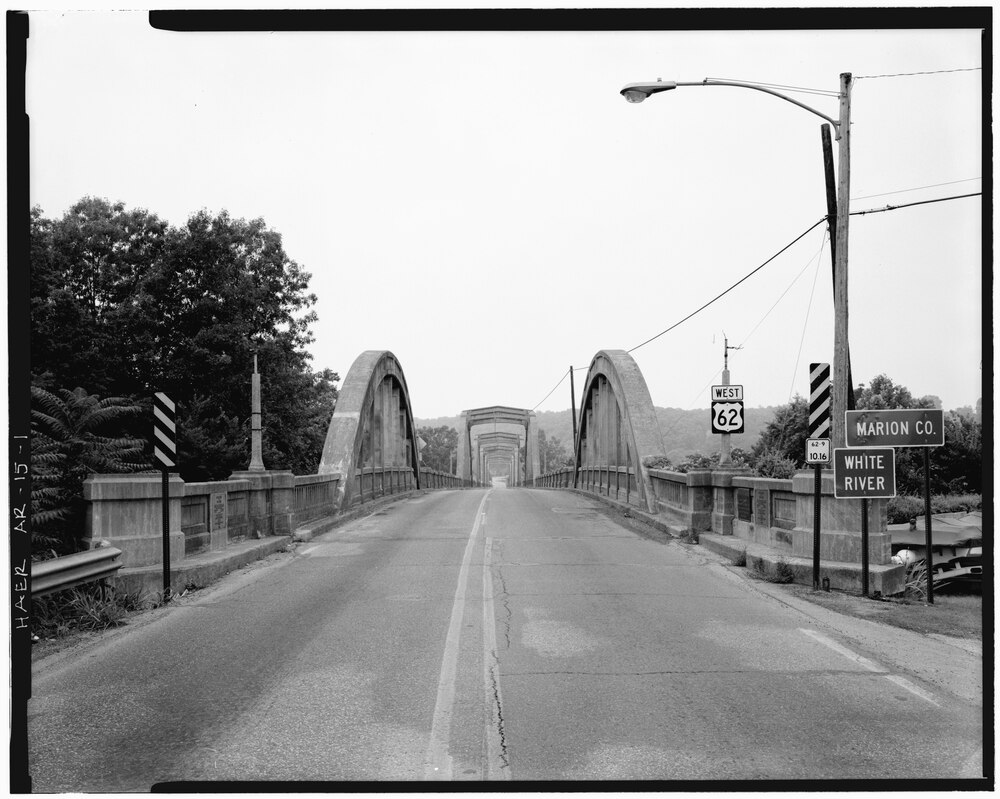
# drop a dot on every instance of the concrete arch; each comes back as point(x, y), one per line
point(618, 429)
point(371, 440)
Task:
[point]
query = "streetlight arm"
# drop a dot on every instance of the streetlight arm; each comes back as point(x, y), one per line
point(637, 92)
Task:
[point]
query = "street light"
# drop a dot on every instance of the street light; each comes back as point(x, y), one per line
point(637, 92)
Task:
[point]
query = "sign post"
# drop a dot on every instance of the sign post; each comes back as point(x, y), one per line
point(903, 427)
point(818, 446)
point(165, 453)
point(868, 473)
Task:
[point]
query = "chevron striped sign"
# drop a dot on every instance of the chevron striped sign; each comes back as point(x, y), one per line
point(819, 400)
point(164, 430)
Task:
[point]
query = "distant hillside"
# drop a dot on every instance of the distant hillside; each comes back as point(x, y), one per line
point(684, 432)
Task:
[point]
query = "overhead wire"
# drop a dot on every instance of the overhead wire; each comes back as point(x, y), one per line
point(927, 72)
point(919, 202)
point(915, 188)
point(805, 322)
point(765, 263)
point(738, 282)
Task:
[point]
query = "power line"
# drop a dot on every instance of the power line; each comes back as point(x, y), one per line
point(928, 72)
point(738, 282)
point(794, 281)
point(561, 379)
point(757, 269)
point(919, 202)
point(805, 323)
point(915, 188)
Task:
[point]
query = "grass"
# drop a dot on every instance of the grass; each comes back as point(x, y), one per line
point(952, 614)
point(89, 608)
point(781, 573)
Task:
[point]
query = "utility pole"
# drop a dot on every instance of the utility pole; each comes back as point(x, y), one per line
point(726, 456)
point(840, 334)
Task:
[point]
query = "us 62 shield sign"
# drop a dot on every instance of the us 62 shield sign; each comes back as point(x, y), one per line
point(727, 417)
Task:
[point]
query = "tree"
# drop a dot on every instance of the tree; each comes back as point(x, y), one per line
point(441, 450)
point(552, 453)
point(67, 445)
point(785, 436)
point(882, 394)
point(955, 467)
point(126, 305)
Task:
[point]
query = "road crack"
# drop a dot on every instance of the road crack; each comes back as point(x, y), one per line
point(497, 710)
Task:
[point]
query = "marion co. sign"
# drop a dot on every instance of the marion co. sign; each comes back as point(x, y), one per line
point(921, 427)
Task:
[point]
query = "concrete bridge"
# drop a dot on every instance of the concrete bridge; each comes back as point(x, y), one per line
point(426, 628)
point(371, 453)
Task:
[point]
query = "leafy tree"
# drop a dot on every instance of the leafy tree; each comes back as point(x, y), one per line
point(552, 453)
point(785, 435)
point(881, 393)
point(441, 450)
point(127, 305)
point(67, 445)
point(956, 467)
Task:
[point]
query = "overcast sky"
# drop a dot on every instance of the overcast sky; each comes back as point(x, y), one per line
point(490, 209)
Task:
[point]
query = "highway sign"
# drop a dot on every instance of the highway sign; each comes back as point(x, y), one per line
point(727, 393)
point(868, 473)
point(817, 451)
point(727, 417)
point(920, 427)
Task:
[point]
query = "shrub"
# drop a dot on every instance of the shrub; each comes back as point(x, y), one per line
point(902, 508)
point(772, 463)
point(657, 462)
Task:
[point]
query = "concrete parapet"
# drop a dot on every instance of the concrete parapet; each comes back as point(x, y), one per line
point(684, 499)
point(127, 511)
point(724, 499)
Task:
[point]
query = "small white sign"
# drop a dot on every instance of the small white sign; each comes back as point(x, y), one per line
point(727, 393)
point(817, 450)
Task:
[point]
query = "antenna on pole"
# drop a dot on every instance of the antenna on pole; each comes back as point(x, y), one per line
point(725, 352)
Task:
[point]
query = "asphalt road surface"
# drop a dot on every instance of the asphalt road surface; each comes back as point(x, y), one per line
point(497, 635)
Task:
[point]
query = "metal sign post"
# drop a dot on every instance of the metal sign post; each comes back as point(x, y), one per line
point(165, 453)
point(818, 447)
point(864, 474)
point(903, 427)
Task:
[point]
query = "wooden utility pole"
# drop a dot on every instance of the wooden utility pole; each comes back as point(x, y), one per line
point(840, 334)
point(831, 210)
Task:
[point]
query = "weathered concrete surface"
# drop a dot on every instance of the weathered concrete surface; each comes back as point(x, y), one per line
point(638, 414)
point(127, 511)
point(343, 444)
point(581, 650)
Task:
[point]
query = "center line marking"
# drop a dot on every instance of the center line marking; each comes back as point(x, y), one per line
point(437, 764)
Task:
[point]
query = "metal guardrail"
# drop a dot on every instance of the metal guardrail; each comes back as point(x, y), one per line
point(57, 574)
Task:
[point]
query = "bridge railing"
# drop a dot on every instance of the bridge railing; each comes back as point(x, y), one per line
point(374, 482)
point(432, 478)
point(126, 510)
